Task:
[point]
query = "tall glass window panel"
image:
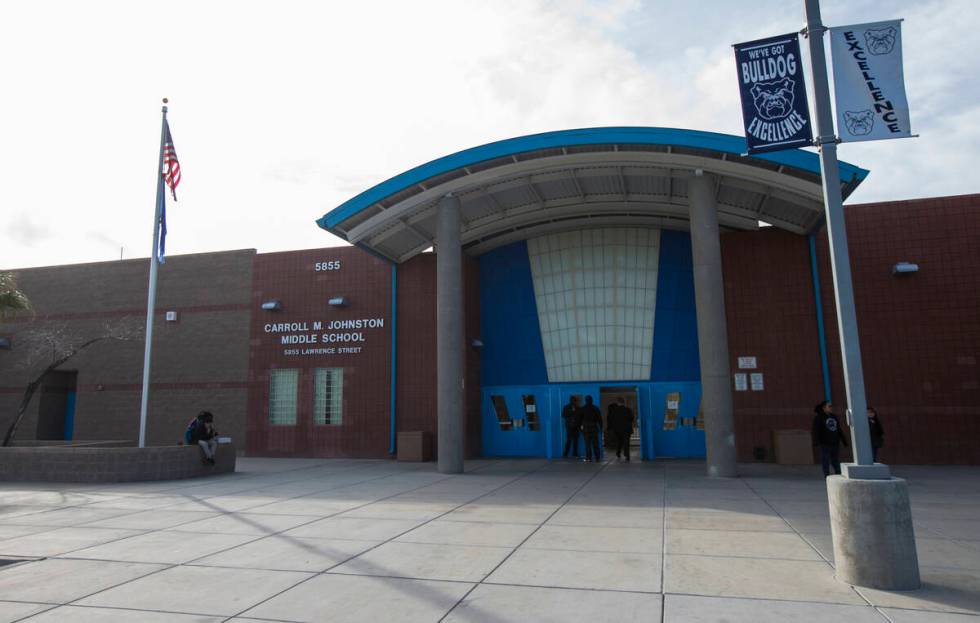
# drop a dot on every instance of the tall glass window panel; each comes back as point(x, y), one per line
point(283, 388)
point(596, 294)
point(328, 396)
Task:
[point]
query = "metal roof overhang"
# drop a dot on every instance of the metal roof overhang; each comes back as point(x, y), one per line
point(597, 177)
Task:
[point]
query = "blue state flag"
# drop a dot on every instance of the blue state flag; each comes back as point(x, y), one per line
point(162, 247)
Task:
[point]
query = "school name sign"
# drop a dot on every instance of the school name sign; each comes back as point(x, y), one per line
point(335, 337)
point(774, 104)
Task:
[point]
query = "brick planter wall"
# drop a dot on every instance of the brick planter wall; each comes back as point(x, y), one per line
point(61, 464)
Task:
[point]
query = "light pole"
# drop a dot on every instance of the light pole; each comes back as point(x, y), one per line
point(870, 514)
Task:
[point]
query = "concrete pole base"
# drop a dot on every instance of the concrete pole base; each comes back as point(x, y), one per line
point(874, 541)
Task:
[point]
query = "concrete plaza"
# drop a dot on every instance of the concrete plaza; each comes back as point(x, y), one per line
point(510, 540)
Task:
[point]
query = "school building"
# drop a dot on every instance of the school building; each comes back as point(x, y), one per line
point(482, 290)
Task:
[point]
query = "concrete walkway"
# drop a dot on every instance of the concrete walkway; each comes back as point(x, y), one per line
point(339, 540)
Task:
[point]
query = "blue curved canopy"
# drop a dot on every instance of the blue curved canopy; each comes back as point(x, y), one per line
point(802, 161)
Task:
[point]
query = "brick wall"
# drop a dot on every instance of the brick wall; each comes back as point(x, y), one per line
point(291, 278)
point(417, 407)
point(920, 338)
point(920, 333)
point(416, 383)
point(772, 317)
point(199, 362)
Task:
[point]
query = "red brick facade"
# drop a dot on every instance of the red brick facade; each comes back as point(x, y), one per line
point(920, 338)
point(920, 332)
point(416, 384)
point(304, 292)
point(365, 281)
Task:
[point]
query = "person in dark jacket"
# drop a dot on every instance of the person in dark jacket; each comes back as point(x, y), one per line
point(571, 415)
point(612, 412)
point(621, 426)
point(204, 435)
point(828, 435)
point(877, 433)
point(591, 427)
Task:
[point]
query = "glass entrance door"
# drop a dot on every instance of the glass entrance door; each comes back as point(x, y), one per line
point(609, 396)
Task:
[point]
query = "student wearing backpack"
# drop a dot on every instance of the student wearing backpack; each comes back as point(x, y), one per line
point(828, 435)
point(201, 432)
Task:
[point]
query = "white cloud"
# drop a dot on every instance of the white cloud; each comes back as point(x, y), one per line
point(23, 230)
point(282, 111)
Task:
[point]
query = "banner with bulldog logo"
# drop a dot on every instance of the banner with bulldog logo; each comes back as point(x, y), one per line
point(869, 84)
point(774, 106)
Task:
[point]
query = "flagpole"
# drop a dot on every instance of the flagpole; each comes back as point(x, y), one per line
point(152, 294)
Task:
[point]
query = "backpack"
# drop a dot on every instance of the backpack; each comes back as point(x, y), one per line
point(189, 433)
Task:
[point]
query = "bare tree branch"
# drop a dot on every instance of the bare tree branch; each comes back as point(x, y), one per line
point(56, 344)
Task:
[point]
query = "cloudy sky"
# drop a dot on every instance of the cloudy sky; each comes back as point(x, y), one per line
point(282, 110)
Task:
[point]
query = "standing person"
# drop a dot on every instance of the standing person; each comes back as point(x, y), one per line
point(877, 433)
point(202, 432)
point(591, 427)
point(622, 428)
point(571, 415)
point(828, 434)
point(612, 414)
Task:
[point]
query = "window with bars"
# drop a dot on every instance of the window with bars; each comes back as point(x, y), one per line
point(283, 388)
point(328, 396)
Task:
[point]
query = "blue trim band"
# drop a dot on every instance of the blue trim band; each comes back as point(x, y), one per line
point(821, 333)
point(796, 158)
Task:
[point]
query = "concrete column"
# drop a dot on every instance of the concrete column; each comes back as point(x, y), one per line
point(449, 337)
point(709, 294)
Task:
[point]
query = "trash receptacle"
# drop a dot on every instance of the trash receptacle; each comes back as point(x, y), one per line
point(414, 446)
point(792, 447)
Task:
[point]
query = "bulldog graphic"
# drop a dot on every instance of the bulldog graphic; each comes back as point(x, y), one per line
point(859, 123)
point(773, 100)
point(880, 41)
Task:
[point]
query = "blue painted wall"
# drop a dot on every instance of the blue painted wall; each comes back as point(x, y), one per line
point(675, 331)
point(513, 363)
point(512, 350)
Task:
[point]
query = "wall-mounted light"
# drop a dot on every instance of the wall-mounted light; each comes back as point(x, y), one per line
point(477, 343)
point(273, 305)
point(338, 301)
point(904, 268)
point(170, 316)
point(5, 343)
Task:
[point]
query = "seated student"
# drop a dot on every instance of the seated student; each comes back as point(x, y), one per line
point(201, 432)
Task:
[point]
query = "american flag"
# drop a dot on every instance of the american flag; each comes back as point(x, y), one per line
point(171, 167)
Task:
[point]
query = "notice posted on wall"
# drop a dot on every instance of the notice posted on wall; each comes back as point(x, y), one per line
point(755, 379)
point(741, 382)
point(672, 410)
point(747, 363)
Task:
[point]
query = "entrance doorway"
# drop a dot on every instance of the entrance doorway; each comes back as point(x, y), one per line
point(611, 395)
point(56, 414)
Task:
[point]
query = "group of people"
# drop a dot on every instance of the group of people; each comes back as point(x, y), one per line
point(828, 435)
point(586, 420)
